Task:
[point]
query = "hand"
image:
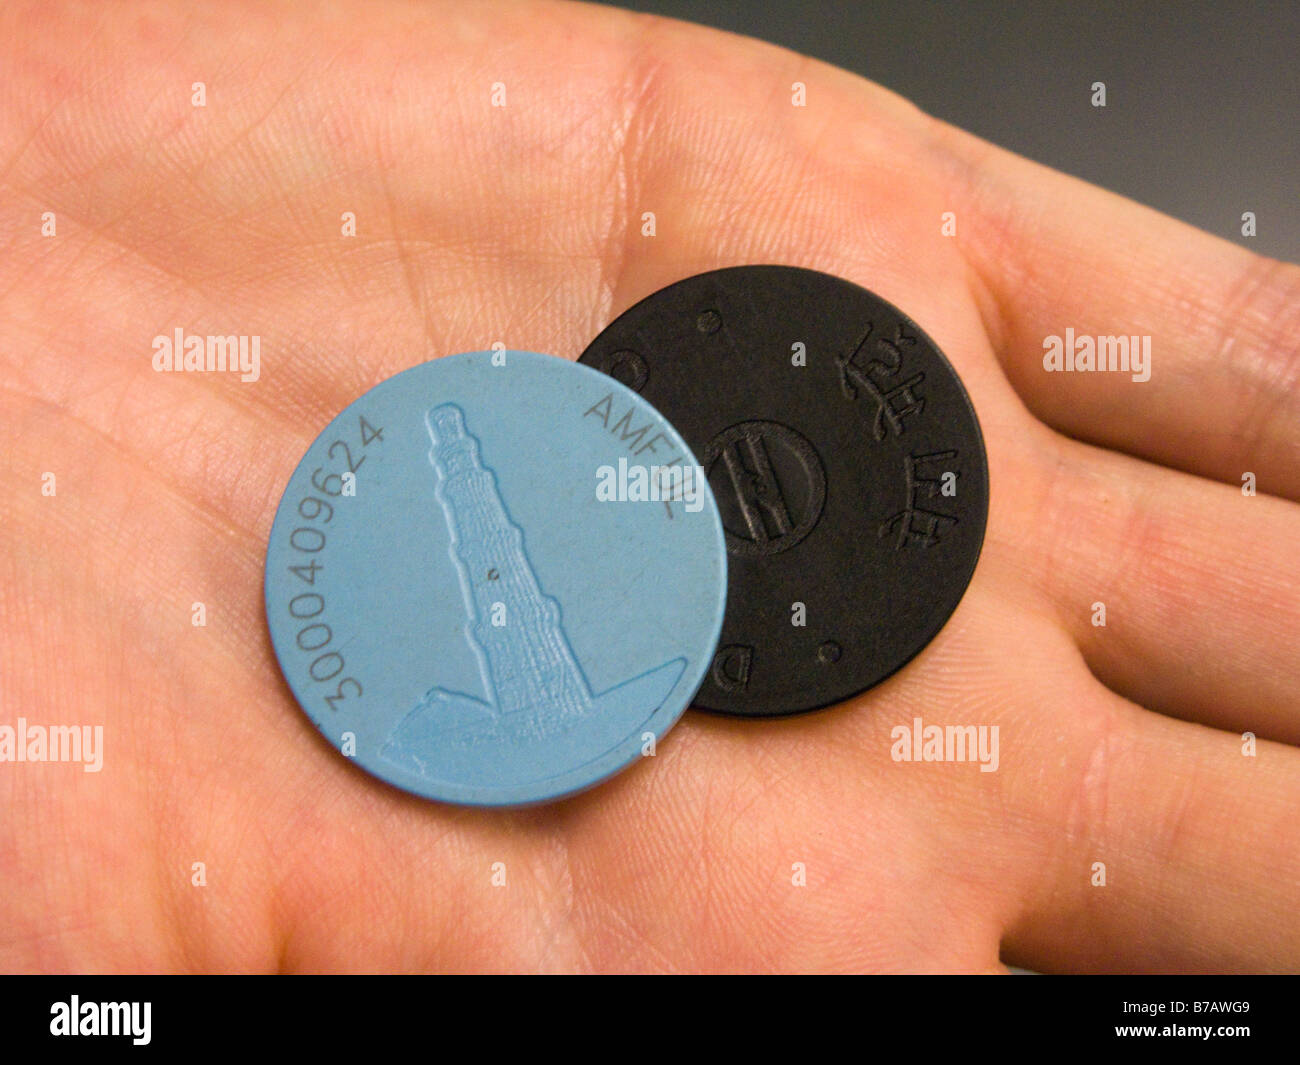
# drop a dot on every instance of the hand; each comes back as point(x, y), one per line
point(1119, 745)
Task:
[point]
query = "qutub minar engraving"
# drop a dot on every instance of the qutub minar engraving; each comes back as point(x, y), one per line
point(534, 687)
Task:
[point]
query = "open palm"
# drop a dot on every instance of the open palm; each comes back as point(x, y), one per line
point(1120, 744)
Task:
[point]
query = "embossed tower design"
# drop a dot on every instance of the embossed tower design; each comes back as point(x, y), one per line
point(527, 663)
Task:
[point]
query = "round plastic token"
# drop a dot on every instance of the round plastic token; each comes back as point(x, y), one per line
point(847, 463)
point(496, 578)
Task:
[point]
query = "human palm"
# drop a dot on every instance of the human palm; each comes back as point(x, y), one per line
point(523, 224)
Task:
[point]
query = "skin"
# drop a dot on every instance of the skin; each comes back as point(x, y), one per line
point(1119, 745)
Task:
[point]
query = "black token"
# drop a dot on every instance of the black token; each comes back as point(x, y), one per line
point(846, 461)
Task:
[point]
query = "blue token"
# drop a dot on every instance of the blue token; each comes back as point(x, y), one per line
point(496, 579)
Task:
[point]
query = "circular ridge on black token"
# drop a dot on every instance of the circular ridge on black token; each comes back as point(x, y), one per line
point(847, 463)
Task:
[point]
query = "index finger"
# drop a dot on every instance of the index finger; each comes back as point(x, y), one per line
point(1199, 339)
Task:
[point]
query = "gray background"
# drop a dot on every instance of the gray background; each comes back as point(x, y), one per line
point(1203, 99)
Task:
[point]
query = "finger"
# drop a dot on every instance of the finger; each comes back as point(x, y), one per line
point(1056, 254)
point(1158, 846)
point(1180, 592)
